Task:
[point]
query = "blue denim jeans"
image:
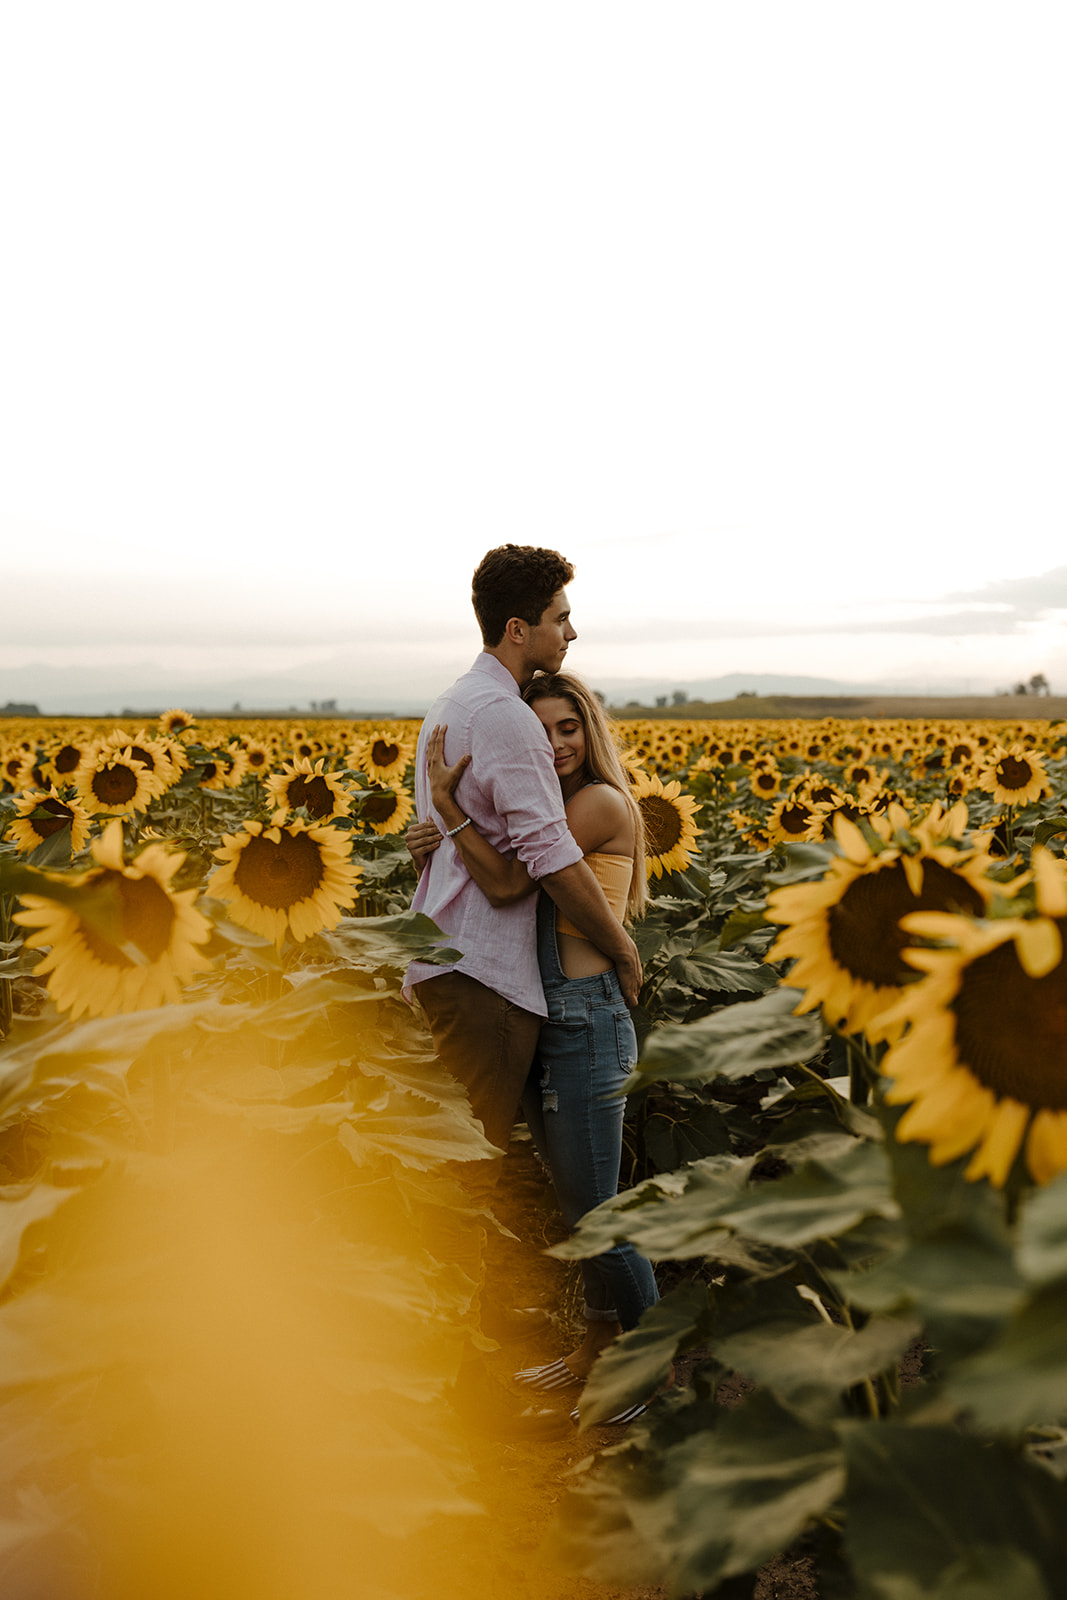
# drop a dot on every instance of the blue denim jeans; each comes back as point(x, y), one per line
point(586, 1048)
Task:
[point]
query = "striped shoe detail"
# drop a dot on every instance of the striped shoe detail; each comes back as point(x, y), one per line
point(630, 1414)
point(556, 1375)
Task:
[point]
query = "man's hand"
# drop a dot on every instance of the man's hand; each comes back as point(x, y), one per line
point(581, 898)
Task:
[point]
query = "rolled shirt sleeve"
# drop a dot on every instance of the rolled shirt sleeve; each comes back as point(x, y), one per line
point(511, 794)
point(510, 749)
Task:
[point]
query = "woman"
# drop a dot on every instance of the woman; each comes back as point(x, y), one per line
point(587, 1045)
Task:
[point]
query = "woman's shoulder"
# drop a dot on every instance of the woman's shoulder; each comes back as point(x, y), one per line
point(599, 809)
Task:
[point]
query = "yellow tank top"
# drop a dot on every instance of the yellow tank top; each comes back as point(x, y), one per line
point(613, 874)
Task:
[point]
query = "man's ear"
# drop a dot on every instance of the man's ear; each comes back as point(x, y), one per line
point(515, 630)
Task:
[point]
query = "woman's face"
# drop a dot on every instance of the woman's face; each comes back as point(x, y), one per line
point(567, 737)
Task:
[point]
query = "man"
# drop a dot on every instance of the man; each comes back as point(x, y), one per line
point(485, 1012)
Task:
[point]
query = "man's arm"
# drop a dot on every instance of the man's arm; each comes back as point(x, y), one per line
point(579, 896)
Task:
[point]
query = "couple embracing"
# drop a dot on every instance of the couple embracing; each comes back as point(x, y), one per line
point(520, 788)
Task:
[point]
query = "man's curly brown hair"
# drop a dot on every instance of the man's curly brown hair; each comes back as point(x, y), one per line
point(516, 580)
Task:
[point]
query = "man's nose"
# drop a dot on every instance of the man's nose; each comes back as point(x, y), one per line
point(570, 634)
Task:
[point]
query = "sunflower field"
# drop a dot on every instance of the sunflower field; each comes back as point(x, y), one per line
point(225, 1328)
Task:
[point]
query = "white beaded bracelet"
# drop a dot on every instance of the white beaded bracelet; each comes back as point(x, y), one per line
point(451, 832)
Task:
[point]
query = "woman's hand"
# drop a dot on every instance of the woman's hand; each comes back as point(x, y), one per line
point(443, 780)
point(422, 839)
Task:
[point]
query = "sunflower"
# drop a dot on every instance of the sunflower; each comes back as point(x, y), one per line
point(258, 753)
point(155, 755)
point(843, 930)
point(296, 876)
point(632, 762)
point(16, 768)
point(175, 723)
point(157, 935)
point(224, 769)
point(1014, 777)
point(795, 820)
point(383, 756)
point(387, 810)
point(39, 815)
point(765, 782)
point(983, 1066)
point(670, 832)
point(322, 794)
point(114, 782)
point(749, 828)
point(63, 762)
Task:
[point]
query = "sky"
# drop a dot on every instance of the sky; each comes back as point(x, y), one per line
point(755, 312)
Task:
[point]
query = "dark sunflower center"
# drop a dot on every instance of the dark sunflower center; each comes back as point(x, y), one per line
point(257, 758)
point(663, 825)
point(382, 754)
point(67, 759)
point(58, 817)
point(766, 781)
point(140, 754)
point(379, 807)
point(864, 936)
point(146, 919)
point(861, 774)
point(1013, 774)
point(1011, 1029)
point(960, 752)
point(314, 793)
point(113, 786)
point(794, 819)
point(279, 875)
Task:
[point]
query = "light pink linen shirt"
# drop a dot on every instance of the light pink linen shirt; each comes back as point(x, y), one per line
point(511, 793)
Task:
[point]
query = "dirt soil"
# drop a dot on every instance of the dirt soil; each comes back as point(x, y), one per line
point(521, 1485)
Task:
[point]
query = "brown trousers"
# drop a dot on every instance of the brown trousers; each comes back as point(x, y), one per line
point(487, 1043)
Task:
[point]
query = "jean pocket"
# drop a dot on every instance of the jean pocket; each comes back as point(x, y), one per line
point(626, 1039)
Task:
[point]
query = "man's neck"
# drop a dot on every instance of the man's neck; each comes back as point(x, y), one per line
point(512, 659)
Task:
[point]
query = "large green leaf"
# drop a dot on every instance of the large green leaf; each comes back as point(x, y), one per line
point(808, 1365)
point(391, 940)
point(722, 972)
point(825, 1197)
point(673, 1141)
point(732, 1043)
point(673, 1215)
point(414, 1133)
point(720, 1503)
point(635, 1366)
point(1042, 1247)
point(960, 1287)
point(1021, 1378)
point(932, 1511)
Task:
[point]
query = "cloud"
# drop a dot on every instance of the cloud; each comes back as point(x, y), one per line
point(1027, 597)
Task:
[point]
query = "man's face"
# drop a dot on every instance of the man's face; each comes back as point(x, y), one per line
point(547, 642)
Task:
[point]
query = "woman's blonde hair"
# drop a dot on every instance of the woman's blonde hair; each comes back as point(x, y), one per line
point(602, 763)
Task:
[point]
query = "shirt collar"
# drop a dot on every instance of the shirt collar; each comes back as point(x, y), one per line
point(496, 670)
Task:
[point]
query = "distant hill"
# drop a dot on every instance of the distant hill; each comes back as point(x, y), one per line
point(976, 708)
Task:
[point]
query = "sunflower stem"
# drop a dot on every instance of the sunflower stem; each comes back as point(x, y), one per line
point(860, 1072)
point(872, 1399)
point(1009, 831)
